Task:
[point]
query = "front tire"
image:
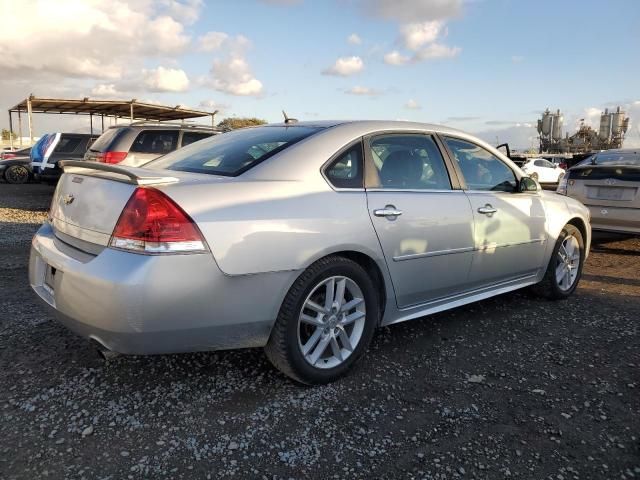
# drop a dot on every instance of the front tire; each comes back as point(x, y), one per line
point(565, 266)
point(17, 174)
point(325, 323)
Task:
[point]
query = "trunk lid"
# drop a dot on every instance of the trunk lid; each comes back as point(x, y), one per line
point(610, 185)
point(90, 197)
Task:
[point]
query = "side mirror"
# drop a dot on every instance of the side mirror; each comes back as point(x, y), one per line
point(527, 184)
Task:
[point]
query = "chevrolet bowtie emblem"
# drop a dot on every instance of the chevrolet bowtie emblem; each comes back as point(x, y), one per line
point(67, 199)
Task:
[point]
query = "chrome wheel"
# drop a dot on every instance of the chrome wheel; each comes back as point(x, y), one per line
point(567, 262)
point(331, 322)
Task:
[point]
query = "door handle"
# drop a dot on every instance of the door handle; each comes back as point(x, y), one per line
point(487, 210)
point(388, 211)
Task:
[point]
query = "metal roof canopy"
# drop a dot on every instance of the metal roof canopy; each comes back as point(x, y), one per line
point(131, 109)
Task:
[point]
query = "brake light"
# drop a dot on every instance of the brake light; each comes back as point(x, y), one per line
point(153, 223)
point(111, 157)
point(562, 186)
point(7, 156)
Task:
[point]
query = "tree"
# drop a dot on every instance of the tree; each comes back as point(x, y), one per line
point(231, 123)
point(5, 134)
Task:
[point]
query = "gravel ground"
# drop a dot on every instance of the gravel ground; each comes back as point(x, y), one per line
point(509, 387)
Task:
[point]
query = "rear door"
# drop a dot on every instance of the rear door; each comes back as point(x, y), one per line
point(510, 227)
point(190, 137)
point(423, 221)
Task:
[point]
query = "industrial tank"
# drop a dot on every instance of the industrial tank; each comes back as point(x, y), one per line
point(557, 126)
point(605, 125)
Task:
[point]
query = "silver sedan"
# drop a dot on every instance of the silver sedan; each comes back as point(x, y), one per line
point(301, 238)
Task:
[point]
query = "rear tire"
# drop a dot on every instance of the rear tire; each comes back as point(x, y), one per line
point(316, 339)
point(565, 266)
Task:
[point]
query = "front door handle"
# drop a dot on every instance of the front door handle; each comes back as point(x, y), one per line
point(388, 211)
point(487, 210)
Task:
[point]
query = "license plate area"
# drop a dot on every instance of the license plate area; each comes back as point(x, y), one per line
point(611, 193)
point(49, 279)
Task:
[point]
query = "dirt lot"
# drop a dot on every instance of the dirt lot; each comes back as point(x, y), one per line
point(510, 387)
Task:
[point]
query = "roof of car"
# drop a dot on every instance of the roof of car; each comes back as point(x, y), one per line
point(368, 125)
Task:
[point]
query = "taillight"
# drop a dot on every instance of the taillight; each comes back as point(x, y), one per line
point(7, 156)
point(562, 186)
point(111, 157)
point(153, 223)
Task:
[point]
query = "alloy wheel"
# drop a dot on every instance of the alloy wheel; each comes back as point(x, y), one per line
point(331, 322)
point(17, 174)
point(567, 262)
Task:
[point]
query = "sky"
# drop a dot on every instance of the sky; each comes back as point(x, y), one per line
point(489, 67)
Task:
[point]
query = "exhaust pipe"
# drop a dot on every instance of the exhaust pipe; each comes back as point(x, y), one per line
point(104, 352)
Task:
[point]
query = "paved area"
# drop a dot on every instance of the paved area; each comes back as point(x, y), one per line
point(511, 387)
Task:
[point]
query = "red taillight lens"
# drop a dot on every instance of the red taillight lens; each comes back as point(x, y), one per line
point(152, 223)
point(7, 156)
point(111, 157)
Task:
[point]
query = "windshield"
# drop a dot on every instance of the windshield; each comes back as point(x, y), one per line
point(613, 158)
point(233, 153)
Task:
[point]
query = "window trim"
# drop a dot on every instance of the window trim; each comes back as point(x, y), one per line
point(335, 157)
point(463, 182)
point(370, 165)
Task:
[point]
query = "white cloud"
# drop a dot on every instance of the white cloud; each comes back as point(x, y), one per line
point(105, 90)
point(185, 11)
point(166, 80)
point(412, 105)
point(415, 35)
point(396, 58)
point(406, 11)
point(354, 39)
point(366, 91)
point(233, 75)
point(213, 105)
point(88, 38)
point(211, 41)
point(345, 66)
point(436, 50)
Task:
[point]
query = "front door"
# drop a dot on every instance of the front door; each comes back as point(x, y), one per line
point(423, 224)
point(510, 227)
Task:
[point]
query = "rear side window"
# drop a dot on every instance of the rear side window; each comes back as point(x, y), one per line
point(408, 161)
point(233, 153)
point(104, 141)
point(189, 137)
point(346, 170)
point(155, 141)
point(68, 144)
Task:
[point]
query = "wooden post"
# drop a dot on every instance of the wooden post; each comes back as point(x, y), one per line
point(20, 127)
point(131, 111)
point(102, 118)
point(30, 119)
point(91, 124)
point(10, 130)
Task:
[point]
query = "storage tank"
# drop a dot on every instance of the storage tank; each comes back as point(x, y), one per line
point(557, 126)
point(605, 125)
point(547, 119)
point(617, 122)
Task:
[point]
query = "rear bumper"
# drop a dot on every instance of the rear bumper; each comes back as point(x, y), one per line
point(614, 219)
point(141, 304)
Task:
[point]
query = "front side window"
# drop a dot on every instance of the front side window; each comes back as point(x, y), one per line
point(408, 161)
point(155, 141)
point(346, 170)
point(235, 152)
point(481, 169)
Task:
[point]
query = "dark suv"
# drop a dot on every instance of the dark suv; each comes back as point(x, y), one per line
point(53, 147)
point(141, 142)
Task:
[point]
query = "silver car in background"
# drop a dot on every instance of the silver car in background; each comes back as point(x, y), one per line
point(300, 238)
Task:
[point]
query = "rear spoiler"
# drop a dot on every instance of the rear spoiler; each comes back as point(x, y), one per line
point(75, 166)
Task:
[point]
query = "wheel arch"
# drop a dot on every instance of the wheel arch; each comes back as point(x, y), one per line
point(580, 225)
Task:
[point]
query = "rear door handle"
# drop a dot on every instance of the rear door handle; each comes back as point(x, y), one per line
point(388, 211)
point(487, 210)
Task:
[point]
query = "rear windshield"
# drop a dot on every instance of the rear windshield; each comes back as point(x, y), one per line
point(613, 158)
point(104, 140)
point(233, 153)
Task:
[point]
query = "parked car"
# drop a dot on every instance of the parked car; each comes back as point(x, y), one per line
point(543, 171)
point(53, 147)
point(300, 238)
point(608, 183)
point(15, 166)
point(141, 142)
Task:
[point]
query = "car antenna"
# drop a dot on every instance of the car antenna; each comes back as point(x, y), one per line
point(287, 119)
